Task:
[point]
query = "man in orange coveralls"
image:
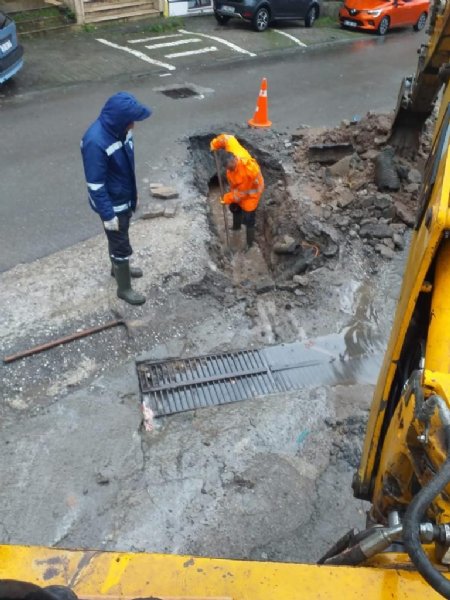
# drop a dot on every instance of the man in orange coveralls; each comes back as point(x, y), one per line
point(246, 183)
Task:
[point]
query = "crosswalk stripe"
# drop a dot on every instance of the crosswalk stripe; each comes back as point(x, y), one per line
point(176, 43)
point(190, 52)
point(138, 54)
point(158, 37)
point(220, 40)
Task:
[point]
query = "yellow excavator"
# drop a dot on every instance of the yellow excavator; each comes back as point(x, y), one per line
point(405, 467)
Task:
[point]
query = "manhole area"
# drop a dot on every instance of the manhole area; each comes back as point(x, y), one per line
point(179, 93)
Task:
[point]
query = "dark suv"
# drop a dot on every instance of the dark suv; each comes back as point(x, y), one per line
point(261, 12)
point(11, 52)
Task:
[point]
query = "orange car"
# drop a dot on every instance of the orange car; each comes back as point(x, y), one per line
point(379, 16)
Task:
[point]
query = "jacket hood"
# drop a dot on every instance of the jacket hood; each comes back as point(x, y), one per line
point(120, 111)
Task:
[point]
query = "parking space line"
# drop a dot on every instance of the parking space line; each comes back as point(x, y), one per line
point(220, 40)
point(138, 54)
point(291, 37)
point(176, 43)
point(158, 37)
point(190, 52)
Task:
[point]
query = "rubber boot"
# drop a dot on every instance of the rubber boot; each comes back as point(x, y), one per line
point(250, 237)
point(135, 272)
point(237, 221)
point(123, 278)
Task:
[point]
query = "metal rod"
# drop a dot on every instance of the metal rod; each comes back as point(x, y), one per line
point(219, 177)
point(63, 340)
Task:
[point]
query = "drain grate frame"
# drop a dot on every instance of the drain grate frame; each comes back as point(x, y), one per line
point(179, 93)
point(182, 384)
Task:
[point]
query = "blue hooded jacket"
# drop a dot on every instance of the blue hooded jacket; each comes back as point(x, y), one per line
point(108, 156)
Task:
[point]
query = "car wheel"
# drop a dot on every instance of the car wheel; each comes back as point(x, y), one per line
point(221, 19)
point(261, 19)
point(383, 26)
point(311, 16)
point(421, 22)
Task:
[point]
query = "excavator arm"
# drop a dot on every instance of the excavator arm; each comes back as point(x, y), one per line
point(418, 93)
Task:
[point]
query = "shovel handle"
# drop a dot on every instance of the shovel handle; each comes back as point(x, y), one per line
point(219, 177)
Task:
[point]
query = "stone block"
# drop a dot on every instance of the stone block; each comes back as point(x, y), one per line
point(170, 212)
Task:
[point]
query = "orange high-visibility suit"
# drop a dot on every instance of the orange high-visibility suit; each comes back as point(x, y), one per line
point(246, 181)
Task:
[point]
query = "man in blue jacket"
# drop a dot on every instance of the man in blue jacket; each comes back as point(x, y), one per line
point(108, 159)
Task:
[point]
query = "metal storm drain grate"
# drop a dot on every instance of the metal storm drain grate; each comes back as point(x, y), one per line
point(179, 92)
point(178, 385)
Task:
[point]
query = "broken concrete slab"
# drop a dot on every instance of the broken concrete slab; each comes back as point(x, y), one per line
point(414, 176)
point(170, 211)
point(344, 197)
point(285, 245)
point(375, 230)
point(302, 280)
point(153, 212)
point(329, 153)
point(342, 167)
point(404, 214)
point(164, 193)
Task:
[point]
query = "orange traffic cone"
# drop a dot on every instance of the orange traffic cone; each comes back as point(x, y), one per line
point(261, 116)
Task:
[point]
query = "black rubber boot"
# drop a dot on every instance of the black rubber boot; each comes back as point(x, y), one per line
point(237, 220)
point(250, 237)
point(135, 272)
point(123, 278)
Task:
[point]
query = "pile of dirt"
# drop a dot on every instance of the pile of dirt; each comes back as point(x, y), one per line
point(348, 187)
point(359, 187)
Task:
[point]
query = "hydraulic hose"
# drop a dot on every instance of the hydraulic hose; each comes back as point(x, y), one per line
point(416, 511)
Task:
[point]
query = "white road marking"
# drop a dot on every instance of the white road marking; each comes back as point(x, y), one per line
point(176, 43)
point(190, 52)
point(138, 54)
point(291, 37)
point(158, 37)
point(220, 40)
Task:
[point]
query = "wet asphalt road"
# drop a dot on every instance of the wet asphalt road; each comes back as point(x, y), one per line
point(43, 201)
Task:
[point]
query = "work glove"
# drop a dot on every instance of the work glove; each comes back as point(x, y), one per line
point(112, 224)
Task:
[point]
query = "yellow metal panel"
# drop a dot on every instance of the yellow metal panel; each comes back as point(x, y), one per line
point(114, 575)
point(423, 248)
point(437, 357)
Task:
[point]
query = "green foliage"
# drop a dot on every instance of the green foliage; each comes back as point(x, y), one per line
point(162, 25)
point(39, 13)
point(327, 22)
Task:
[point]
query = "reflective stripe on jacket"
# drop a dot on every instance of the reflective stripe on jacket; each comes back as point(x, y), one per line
point(246, 181)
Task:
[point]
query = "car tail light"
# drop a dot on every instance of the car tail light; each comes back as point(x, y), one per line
point(247, 13)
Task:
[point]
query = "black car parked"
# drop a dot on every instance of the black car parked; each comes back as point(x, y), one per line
point(261, 12)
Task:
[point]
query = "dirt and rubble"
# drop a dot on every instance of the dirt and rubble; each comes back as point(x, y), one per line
point(260, 479)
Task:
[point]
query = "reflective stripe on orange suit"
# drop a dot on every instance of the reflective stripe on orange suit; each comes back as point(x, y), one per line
point(246, 181)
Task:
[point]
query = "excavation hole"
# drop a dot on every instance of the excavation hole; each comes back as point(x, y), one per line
point(283, 249)
point(179, 93)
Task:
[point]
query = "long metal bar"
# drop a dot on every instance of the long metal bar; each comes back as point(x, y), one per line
point(63, 340)
point(219, 177)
